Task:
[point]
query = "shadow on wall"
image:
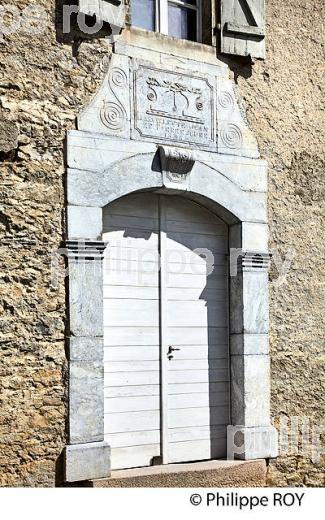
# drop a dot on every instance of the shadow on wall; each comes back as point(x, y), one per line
point(197, 315)
point(74, 29)
point(240, 66)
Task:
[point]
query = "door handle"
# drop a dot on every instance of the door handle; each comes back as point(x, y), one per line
point(170, 350)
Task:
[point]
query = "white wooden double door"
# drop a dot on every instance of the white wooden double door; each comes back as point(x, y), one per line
point(165, 331)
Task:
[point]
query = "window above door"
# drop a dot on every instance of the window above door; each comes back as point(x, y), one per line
point(235, 27)
point(178, 18)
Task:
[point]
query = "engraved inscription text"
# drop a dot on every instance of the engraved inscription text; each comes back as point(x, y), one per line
point(173, 106)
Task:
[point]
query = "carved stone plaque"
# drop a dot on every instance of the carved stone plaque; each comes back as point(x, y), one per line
point(176, 107)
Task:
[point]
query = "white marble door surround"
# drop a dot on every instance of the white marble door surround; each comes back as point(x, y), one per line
point(169, 123)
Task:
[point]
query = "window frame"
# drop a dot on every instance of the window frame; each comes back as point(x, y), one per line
point(161, 16)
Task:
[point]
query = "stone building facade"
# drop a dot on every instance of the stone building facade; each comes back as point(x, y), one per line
point(45, 83)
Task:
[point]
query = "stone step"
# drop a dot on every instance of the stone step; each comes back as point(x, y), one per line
point(199, 474)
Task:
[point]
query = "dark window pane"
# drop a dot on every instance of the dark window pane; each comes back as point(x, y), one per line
point(143, 14)
point(182, 22)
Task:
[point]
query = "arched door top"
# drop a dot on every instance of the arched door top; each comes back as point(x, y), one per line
point(225, 187)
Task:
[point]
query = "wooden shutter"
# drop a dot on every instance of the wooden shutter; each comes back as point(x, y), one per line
point(110, 11)
point(243, 27)
point(208, 16)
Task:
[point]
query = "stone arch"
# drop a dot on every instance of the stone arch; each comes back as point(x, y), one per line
point(206, 183)
point(245, 213)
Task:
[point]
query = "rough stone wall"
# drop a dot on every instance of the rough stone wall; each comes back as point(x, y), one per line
point(284, 100)
point(44, 82)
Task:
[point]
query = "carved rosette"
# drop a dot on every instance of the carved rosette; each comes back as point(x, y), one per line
point(226, 100)
point(113, 114)
point(234, 136)
point(231, 136)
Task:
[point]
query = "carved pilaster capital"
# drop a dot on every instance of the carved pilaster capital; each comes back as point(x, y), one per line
point(80, 250)
point(251, 260)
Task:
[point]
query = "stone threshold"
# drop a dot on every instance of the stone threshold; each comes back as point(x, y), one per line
point(214, 473)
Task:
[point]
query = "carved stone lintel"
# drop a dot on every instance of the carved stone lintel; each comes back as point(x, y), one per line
point(85, 250)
